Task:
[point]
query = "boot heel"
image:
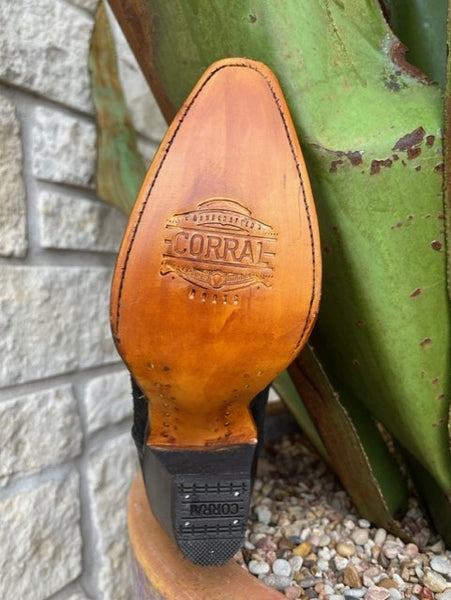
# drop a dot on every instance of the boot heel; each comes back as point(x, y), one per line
point(201, 497)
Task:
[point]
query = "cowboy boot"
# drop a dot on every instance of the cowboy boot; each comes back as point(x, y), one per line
point(215, 292)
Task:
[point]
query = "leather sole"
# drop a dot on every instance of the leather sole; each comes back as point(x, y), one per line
point(215, 292)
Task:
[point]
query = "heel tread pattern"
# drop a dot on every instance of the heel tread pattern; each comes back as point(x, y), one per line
point(210, 516)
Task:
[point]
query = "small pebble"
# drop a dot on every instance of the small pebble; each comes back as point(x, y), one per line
point(296, 563)
point(328, 589)
point(324, 541)
point(377, 593)
point(387, 583)
point(286, 544)
point(395, 594)
point(264, 515)
point(435, 581)
point(351, 577)
point(405, 574)
point(281, 567)
point(292, 592)
point(346, 548)
point(261, 528)
point(419, 572)
point(303, 549)
point(369, 575)
point(376, 551)
point(380, 537)
point(364, 523)
point(340, 562)
point(391, 549)
point(325, 553)
point(441, 564)
point(446, 595)
point(314, 540)
point(254, 538)
point(322, 564)
point(270, 556)
point(410, 550)
point(266, 543)
point(308, 582)
point(360, 536)
point(356, 593)
point(292, 532)
point(427, 594)
point(398, 579)
point(277, 582)
point(257, 567)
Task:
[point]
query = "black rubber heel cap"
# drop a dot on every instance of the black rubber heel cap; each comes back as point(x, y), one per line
point(201, 498)
point(210, 517)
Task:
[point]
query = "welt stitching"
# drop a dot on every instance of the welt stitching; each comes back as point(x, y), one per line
point(162, 161)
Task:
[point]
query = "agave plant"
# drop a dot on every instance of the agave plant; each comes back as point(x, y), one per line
point(370, 116)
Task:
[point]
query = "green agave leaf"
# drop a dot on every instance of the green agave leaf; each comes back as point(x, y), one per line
point(371, 132)
point(447, 173)
point(437, 502)
point(421, 26)
point(288, 392)
point(120, 169)
point(354, 445)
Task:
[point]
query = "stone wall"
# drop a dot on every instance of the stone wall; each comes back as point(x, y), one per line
point(66, 459)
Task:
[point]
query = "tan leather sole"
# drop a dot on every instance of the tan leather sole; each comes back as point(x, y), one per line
point(217, 282)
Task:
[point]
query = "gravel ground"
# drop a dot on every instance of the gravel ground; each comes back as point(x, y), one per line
point(306, 539)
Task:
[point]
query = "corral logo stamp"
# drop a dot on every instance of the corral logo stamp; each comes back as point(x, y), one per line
point(219, 245)
point(216, 509)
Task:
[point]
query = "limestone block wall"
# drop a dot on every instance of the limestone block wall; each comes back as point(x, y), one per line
point(66, 458)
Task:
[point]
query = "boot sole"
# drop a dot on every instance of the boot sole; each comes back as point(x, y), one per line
point(215, 292)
